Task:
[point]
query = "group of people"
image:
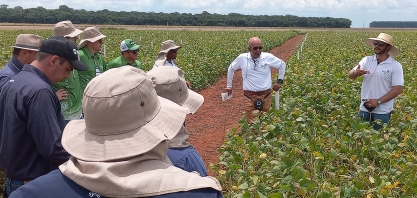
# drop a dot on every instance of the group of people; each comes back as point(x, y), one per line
point(72, 125)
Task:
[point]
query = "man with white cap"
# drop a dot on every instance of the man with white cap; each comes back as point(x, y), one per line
point(24, 52)
point(69, 90)
point(89, 50)
point(129, 55)
point(120, 148)
point(169, 83)
point(383, 80)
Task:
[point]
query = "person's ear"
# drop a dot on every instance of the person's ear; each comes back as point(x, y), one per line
point(53, 60)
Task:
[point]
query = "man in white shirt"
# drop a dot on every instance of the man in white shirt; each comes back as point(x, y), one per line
point(383, 80)
point(256, 74)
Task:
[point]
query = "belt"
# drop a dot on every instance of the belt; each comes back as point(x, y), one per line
point(258, 93)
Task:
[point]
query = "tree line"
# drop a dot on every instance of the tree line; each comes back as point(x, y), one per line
point(50, 16)
point(393, 24)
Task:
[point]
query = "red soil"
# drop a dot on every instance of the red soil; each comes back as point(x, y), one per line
point(209, 125)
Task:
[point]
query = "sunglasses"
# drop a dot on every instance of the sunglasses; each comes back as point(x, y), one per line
point(379, 43)
point(258, 47)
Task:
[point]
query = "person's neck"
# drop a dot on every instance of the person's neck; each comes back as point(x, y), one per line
point(22, 60)
point(381, 57)
point(91, 50)
point(129, 60)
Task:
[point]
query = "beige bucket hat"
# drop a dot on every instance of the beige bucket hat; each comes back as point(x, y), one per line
point(28, 42)
point(169, 83)
point(162, 54)
point(66, 29)
point(124, 118)
point(394, 51)
point(91, 34)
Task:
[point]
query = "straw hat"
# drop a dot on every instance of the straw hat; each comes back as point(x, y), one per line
point(66, 29)
point(124, 118)
point(28, 42)
point(169, 83)
point(90, 34)
point(394, 51)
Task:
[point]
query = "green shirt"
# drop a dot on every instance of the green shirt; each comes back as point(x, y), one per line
point(71, 107)
point(96, 66)
point(121, 61)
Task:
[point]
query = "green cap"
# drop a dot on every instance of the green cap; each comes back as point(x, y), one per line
point(128, 44)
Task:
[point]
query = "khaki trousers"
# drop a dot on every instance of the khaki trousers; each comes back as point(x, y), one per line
point(250, 106)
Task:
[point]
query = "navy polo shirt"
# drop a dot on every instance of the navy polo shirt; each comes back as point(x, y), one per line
point(55, 184)
point(9, 70)
point(31, 125)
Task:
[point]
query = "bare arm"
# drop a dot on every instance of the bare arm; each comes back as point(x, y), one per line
point(394, 92)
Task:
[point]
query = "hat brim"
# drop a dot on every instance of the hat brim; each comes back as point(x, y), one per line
point(134, 47)
point(394, 51)
point(26, 47)
point(78, 65)
point(171, 48)
point(83, 42)
point(75, 33)
point(193, 102)
point(85, 146)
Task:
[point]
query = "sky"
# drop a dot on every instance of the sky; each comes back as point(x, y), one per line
point(360, 12)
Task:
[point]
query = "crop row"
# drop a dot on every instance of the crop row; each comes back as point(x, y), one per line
point(314, 145)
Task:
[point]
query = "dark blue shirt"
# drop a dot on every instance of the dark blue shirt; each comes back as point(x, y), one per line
point(9, 70)
point(31, 125)
point(55, 184)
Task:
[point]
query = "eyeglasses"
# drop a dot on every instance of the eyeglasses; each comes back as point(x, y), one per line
point(256, 48)
point(173, 51)
point(101, 41)
point(379, 43)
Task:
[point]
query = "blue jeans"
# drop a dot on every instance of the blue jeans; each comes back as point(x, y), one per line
point(11, 185)
point(187, 159)
point(366, 116)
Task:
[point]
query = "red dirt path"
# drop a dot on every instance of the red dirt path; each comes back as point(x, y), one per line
point(209, 125)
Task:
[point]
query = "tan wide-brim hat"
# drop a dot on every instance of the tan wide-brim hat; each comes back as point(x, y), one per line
point(28, 42)
point(90, 34)
point(386, 38)
point(66, 29)
point(169, 83)
point(168, 45)
point(124, 117)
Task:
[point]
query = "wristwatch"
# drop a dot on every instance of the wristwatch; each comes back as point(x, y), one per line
point(280, 81)
point(379, 102)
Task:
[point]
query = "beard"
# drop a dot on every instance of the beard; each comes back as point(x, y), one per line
point(381, 51)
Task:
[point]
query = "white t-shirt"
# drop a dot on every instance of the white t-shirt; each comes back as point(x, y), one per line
point(256, 73)
point(380, 81)
point(167, 63)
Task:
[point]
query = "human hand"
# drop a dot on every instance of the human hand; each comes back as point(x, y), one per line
point(371, 102)
point(276, 86)
point(228, 90)
point(360, 72)
point(62, 94)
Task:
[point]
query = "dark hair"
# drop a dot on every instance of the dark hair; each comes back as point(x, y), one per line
point(16, 51)
point(42, 55)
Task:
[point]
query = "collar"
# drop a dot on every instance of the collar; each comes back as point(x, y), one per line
point(125, 62)
point(388, 60)
point(87, 52)
point(36, 71)
point(16, 66)
point(250, 57)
